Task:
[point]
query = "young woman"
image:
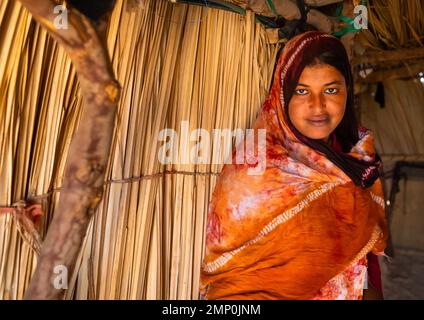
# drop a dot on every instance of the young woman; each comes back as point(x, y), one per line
point(304, 228)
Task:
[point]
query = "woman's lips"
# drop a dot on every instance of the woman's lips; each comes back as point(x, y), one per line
point(318, 121)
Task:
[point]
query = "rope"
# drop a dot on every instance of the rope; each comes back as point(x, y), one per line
point(272, 7)
point(26, 213)
point(26, 216)
point(22, 203)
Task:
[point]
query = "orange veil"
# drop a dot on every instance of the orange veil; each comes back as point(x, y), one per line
point(285, 233)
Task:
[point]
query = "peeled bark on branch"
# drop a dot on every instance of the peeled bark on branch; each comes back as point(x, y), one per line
point(82, 188)
point(289, 11)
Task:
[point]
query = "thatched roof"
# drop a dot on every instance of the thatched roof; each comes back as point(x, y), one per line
point(393, 46)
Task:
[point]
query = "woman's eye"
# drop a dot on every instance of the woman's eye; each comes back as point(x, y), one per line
point(331, 90)
point(301, 91)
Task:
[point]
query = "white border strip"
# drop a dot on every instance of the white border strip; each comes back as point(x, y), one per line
point(378, 199)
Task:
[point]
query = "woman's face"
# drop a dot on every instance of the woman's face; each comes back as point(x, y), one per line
point(318, 102)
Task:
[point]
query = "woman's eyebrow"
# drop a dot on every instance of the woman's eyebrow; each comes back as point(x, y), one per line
point(325, 85)
point(333, 82)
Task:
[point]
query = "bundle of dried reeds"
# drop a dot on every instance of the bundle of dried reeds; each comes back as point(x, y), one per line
point(175, 63)
point(394, 24)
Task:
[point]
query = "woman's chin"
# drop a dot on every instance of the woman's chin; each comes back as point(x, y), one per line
point(318, 135)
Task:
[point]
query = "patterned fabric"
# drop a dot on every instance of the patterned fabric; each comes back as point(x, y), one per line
point(285, 233)
point(348, 285)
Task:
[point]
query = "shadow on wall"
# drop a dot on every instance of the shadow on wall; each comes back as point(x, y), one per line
point(403, 276)
point(399, 132)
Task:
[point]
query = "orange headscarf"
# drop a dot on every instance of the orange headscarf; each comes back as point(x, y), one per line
point(285, 233)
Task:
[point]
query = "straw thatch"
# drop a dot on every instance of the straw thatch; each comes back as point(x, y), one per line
point(394, 24)
point(175, 63)
point(392, 47)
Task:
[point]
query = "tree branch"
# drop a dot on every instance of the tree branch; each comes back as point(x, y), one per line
point(82, 189)
point(288, 10)
point(374, 57)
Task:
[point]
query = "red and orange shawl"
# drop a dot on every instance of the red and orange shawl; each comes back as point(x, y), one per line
point(285, 233)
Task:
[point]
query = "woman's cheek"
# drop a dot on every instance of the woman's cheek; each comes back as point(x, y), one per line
point(298, 106)
point(337, 105)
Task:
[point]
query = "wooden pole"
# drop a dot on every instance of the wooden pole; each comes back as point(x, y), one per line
point(373, 57)
point(82, 190)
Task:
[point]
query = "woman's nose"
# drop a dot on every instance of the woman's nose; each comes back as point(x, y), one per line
point(317, 101)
